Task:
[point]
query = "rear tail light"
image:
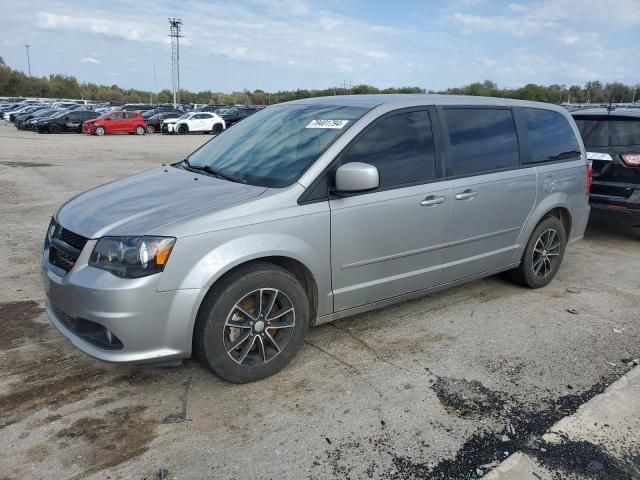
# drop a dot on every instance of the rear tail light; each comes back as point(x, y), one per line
point(631, 159)
point(589, 176)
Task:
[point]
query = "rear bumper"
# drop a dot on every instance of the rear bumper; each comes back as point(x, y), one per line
point(628, 206)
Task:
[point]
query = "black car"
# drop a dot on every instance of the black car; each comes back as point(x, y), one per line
point(154, 122)
point(23, 121)
point(209, 108)
point(235, 114)
point(159, 110)
point(611, 136)
point(65, 122)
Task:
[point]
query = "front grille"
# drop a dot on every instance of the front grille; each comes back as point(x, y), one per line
point(73, 239)
point(65, 248)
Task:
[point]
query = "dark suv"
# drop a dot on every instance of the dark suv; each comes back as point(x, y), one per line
point(611, 137)
point(235, 114)
point(66, 122)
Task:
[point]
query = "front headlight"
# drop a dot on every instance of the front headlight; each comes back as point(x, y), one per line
point(132, 257)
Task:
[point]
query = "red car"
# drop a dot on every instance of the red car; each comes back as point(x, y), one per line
point(116, 122)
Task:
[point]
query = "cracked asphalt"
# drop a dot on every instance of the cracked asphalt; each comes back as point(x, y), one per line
point(398, 393)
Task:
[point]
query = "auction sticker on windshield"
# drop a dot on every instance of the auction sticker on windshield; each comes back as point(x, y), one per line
point(327, 123)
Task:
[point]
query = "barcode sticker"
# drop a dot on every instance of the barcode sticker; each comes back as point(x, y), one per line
point(327, 123)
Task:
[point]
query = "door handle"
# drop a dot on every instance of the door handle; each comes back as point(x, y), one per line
point(432, 201)
point(466, 195)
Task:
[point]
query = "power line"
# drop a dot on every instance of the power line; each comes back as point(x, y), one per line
point(175, 25)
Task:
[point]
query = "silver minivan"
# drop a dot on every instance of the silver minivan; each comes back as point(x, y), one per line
point(307, 212)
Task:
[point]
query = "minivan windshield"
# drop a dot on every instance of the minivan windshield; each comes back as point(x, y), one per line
point(609, 132)
point(273, 147)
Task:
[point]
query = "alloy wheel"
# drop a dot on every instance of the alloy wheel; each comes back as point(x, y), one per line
point(546, 252)
point(259, 327)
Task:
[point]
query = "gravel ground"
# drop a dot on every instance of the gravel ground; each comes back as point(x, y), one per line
point(411, 391)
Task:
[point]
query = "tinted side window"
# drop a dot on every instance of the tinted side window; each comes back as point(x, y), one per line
point(550, 136)
point(400, 147)
point(131, 115)
point(117, 116)
point(482, 139)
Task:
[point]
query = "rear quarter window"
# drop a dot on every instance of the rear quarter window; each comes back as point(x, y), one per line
point(481, 140)
point(551, 137)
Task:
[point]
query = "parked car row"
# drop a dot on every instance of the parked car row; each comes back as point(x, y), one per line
point(102, 119)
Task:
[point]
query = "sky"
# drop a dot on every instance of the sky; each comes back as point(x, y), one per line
point(230, 45)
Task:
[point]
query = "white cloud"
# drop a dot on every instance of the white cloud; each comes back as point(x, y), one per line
point(551, 17)
point(90, 60)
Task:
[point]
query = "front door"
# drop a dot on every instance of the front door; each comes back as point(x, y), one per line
point(390, 241)
point(492, 195)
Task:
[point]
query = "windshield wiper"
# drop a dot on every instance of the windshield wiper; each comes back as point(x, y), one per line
point(219, 174)
point(213, 171)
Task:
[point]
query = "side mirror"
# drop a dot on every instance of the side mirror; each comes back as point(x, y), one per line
point(357, 177)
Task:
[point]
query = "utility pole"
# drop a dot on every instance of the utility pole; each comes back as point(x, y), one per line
point(633, 99)
point(26, 45)
point(155, 81)
point(175, 25)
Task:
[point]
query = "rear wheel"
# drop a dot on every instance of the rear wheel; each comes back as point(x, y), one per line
point(55, 128)
point(100, 131)
point(217, 129)
point(151, 129)
point(139, 130)
point(183, 129)
point(543, 255)
point(252, 324)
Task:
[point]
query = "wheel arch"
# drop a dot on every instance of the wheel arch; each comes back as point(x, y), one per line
point(292, 265)
point(553, 205)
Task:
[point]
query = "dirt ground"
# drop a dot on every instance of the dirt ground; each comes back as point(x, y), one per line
point(424, 389)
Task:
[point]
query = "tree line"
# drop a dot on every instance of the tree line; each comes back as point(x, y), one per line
point(16, 83)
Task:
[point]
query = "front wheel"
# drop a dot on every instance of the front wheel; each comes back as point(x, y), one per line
point(100, 131)
point(150, 129)
point(543, 255)
point(139, 130)
point(252, 324)
point(55, 128)
point(183, 129)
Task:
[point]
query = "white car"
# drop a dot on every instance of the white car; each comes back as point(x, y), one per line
point(194, 122)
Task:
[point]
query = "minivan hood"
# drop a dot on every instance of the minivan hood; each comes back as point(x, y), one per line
point(139, 204)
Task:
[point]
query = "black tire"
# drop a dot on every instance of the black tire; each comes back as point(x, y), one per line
point(540, 265)
point(100, 131)
point(55, 128)
point(140, 130)
point(217, 129)
point(151, 129)
point(182, 129)
point(213, 337)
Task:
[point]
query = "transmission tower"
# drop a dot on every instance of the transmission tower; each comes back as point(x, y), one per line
point(175, 25)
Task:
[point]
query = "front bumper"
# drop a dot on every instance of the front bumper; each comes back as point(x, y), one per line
point(168, 128)
point(152, 326)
